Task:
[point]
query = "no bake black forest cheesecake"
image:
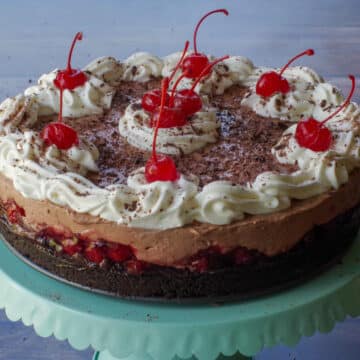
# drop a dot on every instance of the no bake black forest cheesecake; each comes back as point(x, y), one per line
point(183, 177)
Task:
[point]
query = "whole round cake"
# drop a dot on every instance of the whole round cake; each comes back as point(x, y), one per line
point(184, 177)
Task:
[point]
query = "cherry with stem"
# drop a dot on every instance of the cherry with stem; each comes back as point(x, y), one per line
point(70, 78)
point(160, 167)
point(195, 63)
point(58, 133)
point(313, 134)
point(272, 82)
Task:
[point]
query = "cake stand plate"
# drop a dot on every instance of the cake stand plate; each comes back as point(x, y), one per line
point(120, 329)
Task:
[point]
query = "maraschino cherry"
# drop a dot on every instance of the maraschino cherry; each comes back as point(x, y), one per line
point(151, 99)
point(194, 64)
point(70, 78)
point(160, 167)
point(272, 82)
point(313, 134)
point(58, 133)
point(187, 99)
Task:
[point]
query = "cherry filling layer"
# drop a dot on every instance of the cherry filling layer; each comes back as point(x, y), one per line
point(98, 252)
point(102, 251)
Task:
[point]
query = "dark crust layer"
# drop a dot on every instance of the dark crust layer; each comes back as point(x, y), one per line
point(322, 246)
point(242, 152)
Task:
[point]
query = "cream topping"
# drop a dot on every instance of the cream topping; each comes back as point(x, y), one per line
point(319, 171)
point(93, 97)
point(220, 202)
point(18, 112)
point(27, 150)
point(308, 93)
point(232, 71)
point(142, 67)
point(40, 172)
point(200, 131)
point(107, 69)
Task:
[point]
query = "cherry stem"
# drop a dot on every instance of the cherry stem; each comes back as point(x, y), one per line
point(77, 37)
point(164, 88)
point(61, 105)
point(224, 11)
point(186, 47)
point(171, 100)
point(308, 52)
point(206, 69)
point(346, 102)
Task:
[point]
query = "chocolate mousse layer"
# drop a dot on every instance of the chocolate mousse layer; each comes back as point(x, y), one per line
point(242, 152)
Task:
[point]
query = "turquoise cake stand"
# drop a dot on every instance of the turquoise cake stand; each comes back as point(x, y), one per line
point(119, 329)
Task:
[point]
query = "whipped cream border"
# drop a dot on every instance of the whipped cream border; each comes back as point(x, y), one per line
point(162, 205)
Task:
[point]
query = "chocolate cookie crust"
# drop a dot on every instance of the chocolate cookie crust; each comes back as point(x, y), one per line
point(319, 248)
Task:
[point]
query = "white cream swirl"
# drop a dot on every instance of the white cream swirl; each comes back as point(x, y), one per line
point(18, 112)
point(22, 148)
point(162, 204)
point(221, 202)
point(93, 97)
point(200, 131)
point(107, 69)
point(320, 171)
point(229, 72)
point(142, 67)
point(308, 92)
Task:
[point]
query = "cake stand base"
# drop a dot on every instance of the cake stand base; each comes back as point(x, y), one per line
point(105, 355)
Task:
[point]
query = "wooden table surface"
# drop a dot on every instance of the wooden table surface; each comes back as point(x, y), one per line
point(35, 36)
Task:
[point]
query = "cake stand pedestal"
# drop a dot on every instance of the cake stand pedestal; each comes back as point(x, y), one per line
point(131, 330)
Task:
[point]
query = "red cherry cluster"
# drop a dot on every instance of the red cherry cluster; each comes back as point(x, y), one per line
point(173, 111)
point(186, 102)
point(95, 252)
point(179, 105)
point(313, 134)
point(195, 64)
point(272, 82)
point(58, 133)
point(116, 253)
